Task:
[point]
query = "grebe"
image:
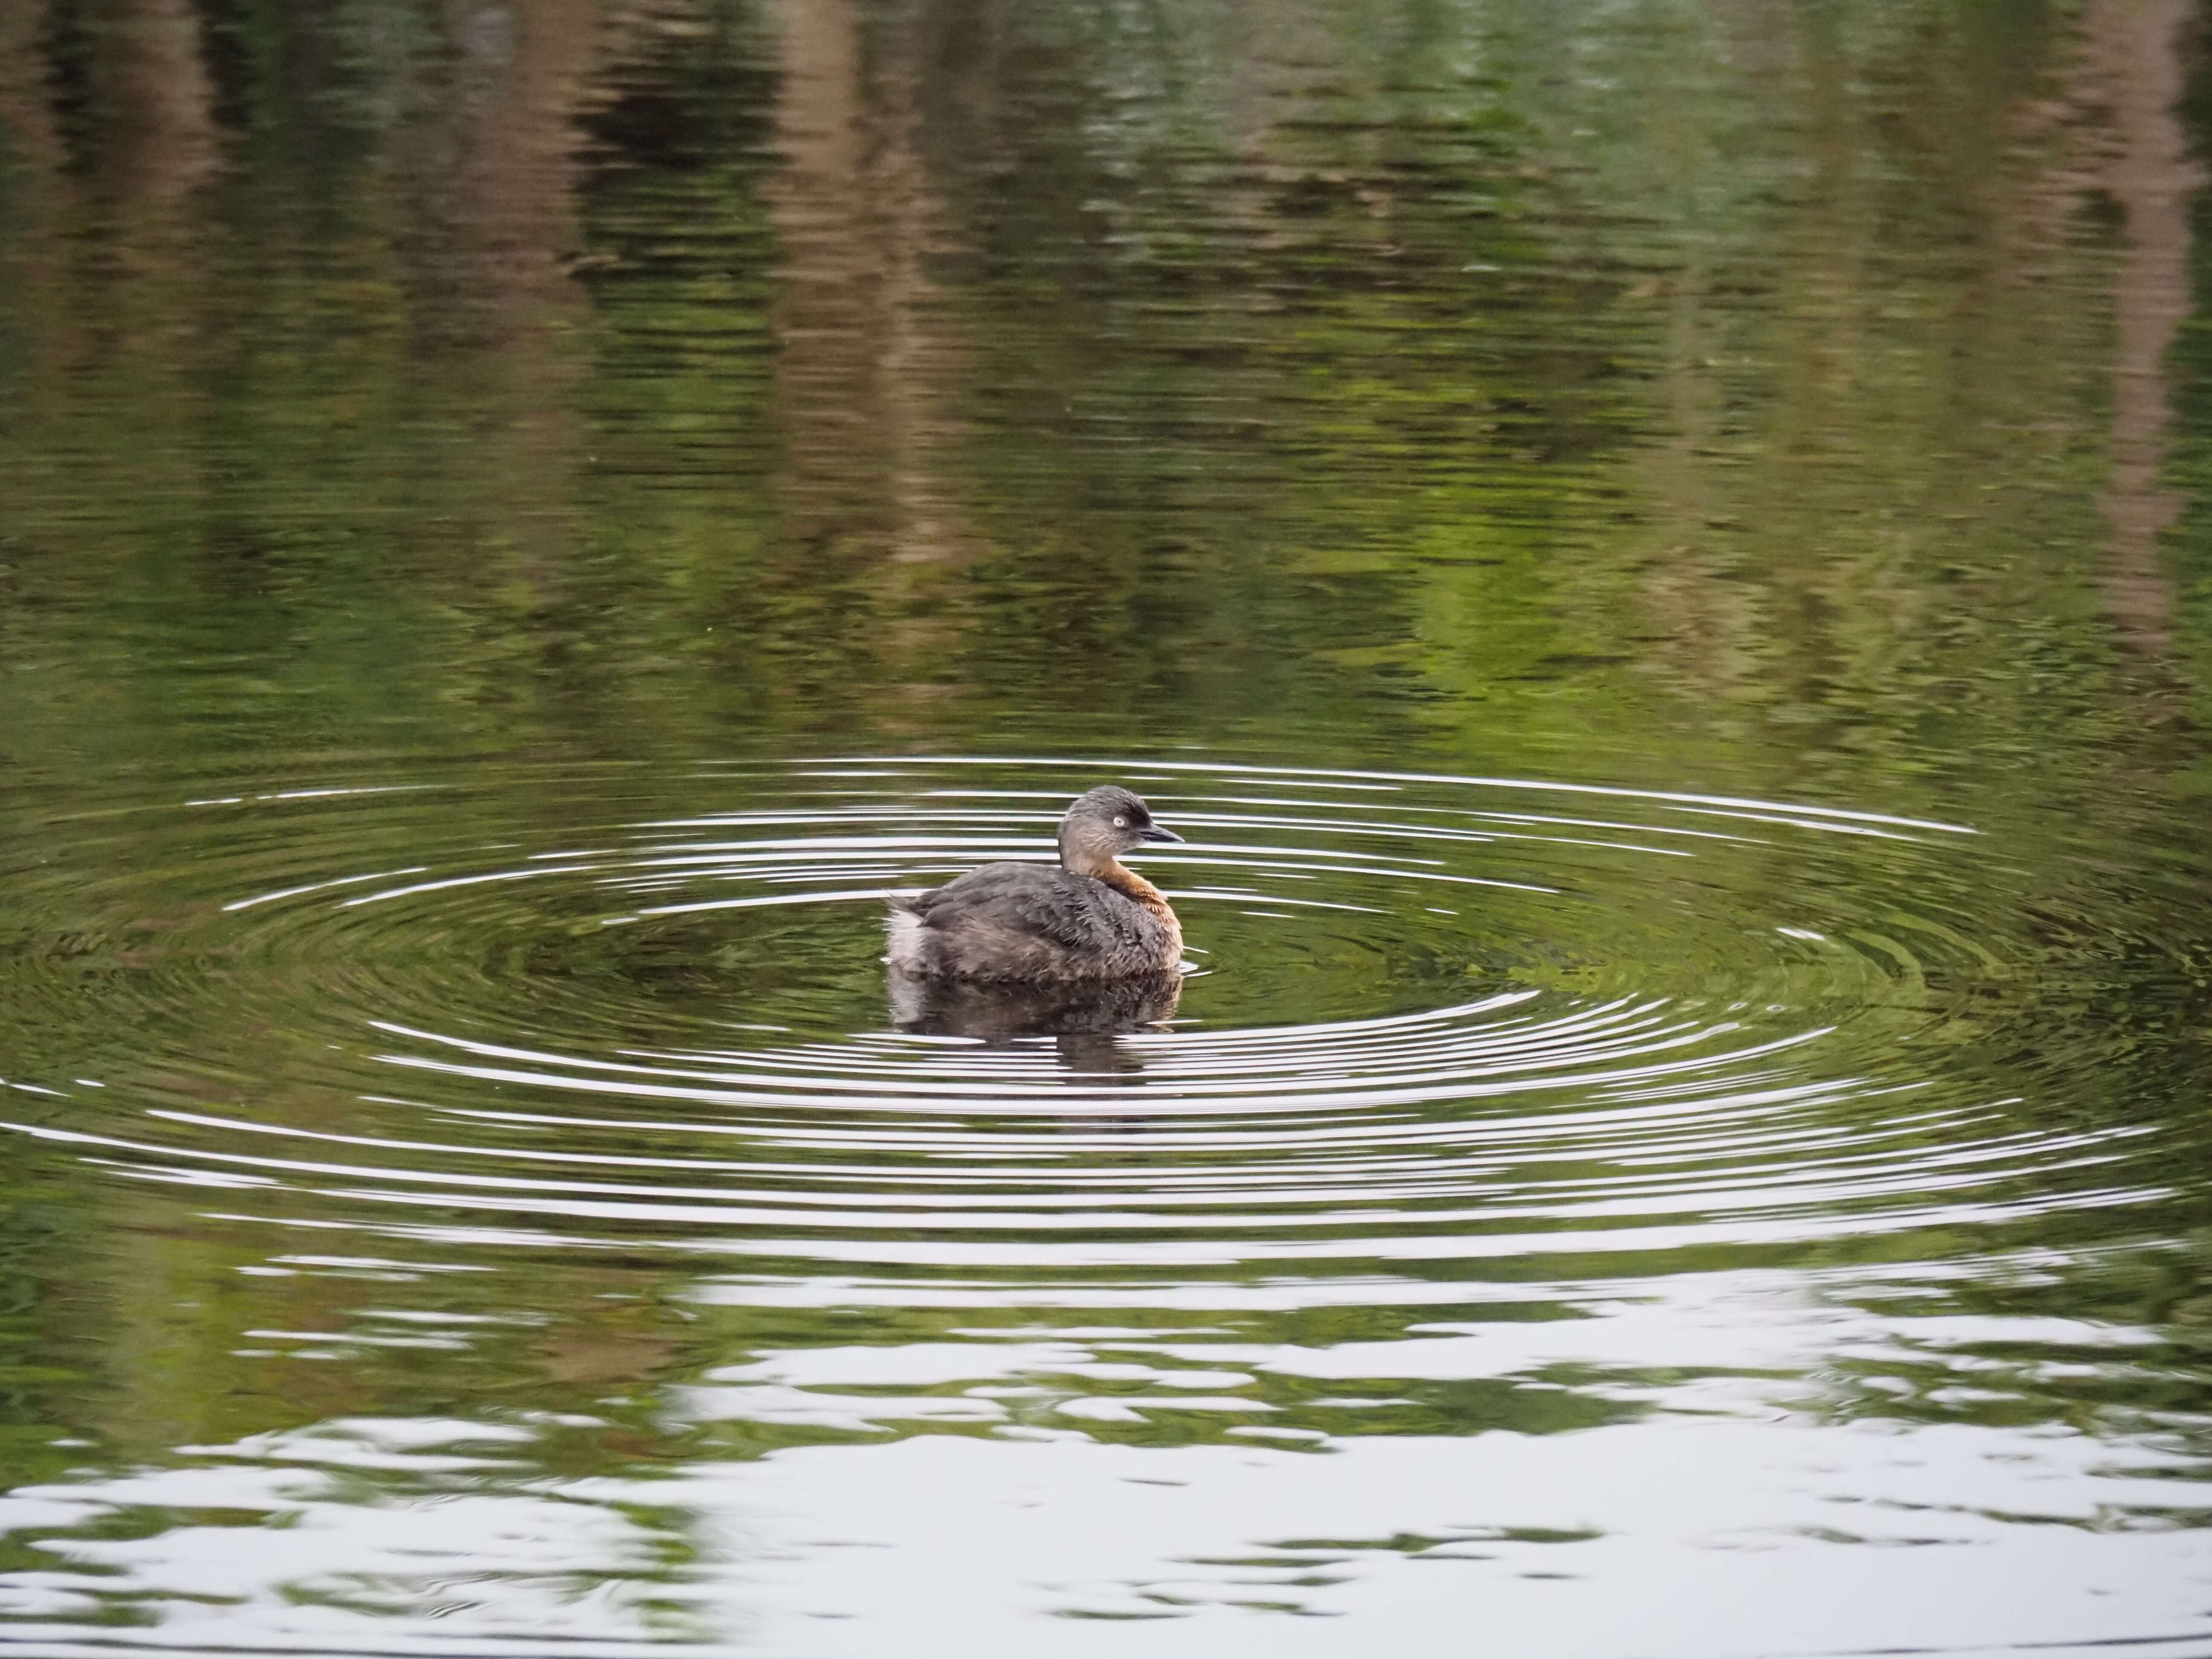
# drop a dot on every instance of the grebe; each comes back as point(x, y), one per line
point(1091, 918)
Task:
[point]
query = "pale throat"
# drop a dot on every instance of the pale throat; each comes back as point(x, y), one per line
point(1085, 858)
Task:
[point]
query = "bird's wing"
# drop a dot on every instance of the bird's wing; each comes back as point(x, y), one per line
point(1035, 900)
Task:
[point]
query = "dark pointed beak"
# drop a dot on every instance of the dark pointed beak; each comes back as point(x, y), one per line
point(1153, 832)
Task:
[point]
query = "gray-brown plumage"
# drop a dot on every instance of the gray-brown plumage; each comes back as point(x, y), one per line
point(1091, 918)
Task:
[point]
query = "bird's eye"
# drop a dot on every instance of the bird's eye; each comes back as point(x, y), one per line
point(1120, 823)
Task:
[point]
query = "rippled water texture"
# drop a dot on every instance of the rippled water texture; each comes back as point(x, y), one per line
point(1536, 1186)
point(1655, 554)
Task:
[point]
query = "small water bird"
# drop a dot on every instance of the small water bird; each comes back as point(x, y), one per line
point(1090, 918)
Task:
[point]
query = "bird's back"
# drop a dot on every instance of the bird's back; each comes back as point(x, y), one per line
point(1032, 921)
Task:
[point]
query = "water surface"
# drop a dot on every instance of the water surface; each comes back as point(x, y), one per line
point(1655, 553)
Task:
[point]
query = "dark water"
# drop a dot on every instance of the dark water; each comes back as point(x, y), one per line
point(1660, 556)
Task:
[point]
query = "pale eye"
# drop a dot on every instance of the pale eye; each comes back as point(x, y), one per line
point(1120, 823)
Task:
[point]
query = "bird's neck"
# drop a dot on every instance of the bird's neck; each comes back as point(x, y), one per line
point(1124, 880)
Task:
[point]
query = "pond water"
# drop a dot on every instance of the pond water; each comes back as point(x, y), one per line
point(1659, 556)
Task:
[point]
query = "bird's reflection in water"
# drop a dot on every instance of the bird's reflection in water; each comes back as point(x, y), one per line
point(1085, 1021)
